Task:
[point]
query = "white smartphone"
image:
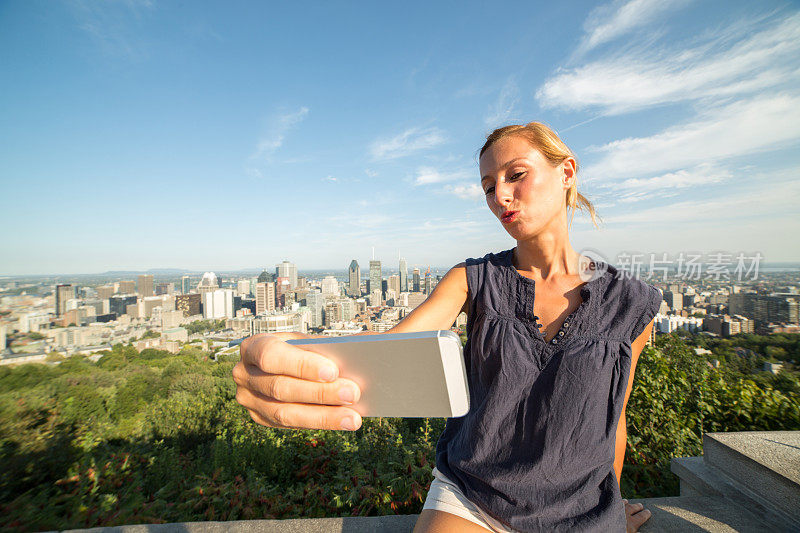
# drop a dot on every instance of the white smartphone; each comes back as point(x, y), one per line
point(420, 374)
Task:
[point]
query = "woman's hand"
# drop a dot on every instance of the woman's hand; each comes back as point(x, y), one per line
point(635, 516)
point(285, 386)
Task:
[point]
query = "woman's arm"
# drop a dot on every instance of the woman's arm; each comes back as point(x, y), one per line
point(622, 431)
point(442, 306)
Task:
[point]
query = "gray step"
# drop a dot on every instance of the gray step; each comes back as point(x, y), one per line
point(766, 463)
point(700, 480)
point(354, 524)
point(684, 514)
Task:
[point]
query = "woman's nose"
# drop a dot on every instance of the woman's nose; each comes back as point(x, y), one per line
point(502, 194)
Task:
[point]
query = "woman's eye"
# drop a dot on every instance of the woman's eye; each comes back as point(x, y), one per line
point(489, 190)
point(517, 175)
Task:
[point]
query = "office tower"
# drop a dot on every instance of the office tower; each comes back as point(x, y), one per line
point(415, 284)
point(403, 276)
point(428, 281)
point(315, 302)
point(243, 287)
point(208, 283)
point(414, 299)
point(127, 287)
point(287, 270)
point(375, 277)
point(218, 304)
point(164, 288)
point(375, 298)
point(282, 286)
point(186, 285)
point(674, 299)
point(393, 284)
point(330, 287)
point(119, 303)
point(104, 292)
point(188, 303)
point(332, 313)
point(348, 308)
point(265, 297)
point(354, 285)
point(63, 294)
point(265, 277)
point(2, 338)
point(144, 285)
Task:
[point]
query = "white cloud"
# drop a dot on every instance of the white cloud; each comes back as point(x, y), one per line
point(470, 191)
point(502, 109)
point(770, 200)
point(410, 141)
point(331, 178)
point(736, 129)
point(611, 21)
point(269, 144)
point(274, 140)
point(429, 175)
point(663, 186)
point(115, 27)
point(742, 60)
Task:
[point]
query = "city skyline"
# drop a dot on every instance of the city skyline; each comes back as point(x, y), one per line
point(140, 135)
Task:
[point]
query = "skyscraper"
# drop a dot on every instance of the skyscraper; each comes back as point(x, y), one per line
point(403, 275)
point(315, 301)
point(186, 285)
point(63, 293)
point(416, 280)
point(428, 281)
point(375, 277)
point(265, 277)
point(287, 270)
point(394, 284)
point(209, 283)
point(144, 285)
point(104, 292)
point(354, 287)
point(188, 303)
point(282, 286)
point(218, 304)
point(127, 287)
point(329, 286)
point(265, 297)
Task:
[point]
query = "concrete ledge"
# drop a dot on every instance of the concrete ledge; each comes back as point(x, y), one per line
point(693, 514)
point(354, 524)
point(708, 482)
point(689, 514)
point(765, 463)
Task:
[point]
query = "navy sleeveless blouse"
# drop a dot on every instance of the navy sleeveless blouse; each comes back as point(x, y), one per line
point(536, 449)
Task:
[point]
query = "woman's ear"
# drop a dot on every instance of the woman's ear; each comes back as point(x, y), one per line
point(568, 172)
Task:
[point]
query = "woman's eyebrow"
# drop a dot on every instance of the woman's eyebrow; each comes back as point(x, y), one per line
point(504, 165)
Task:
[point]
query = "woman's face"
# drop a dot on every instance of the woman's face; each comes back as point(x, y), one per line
point(523, 189)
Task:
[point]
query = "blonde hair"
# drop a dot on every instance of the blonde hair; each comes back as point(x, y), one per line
point(554, 150)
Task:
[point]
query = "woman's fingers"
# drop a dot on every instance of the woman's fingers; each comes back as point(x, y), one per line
point(273, 356)
point(635, 515)
point(293, 390)
point(273, 413)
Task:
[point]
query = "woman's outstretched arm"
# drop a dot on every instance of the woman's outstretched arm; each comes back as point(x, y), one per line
point(442, 306)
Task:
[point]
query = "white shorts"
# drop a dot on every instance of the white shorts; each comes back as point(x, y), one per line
point(444, 495)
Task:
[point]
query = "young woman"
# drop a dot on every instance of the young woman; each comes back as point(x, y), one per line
point(551, 352)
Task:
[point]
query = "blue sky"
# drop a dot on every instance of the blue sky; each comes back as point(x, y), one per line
point(216, 136)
